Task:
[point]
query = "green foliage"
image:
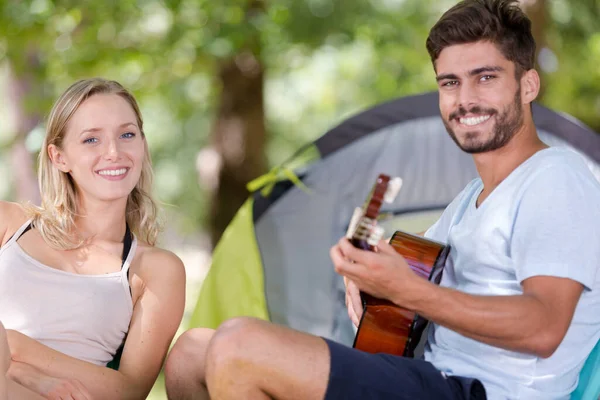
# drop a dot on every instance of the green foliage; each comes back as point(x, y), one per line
point(325, 59)
point(574, 38)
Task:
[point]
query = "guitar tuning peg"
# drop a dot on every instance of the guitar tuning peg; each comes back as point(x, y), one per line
point(356, 216)
point(376, 235)
point(393, 188)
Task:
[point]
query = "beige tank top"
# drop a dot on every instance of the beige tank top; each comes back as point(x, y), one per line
point(83, 316)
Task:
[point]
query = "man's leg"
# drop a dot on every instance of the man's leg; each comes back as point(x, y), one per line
point(253, 359)
point(305, 357)
point(185, 366)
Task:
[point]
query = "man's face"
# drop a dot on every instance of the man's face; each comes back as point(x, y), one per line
point(480, 99)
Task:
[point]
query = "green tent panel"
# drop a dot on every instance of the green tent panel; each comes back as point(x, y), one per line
point(239, 276)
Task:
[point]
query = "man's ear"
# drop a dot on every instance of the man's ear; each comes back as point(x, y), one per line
point(58, 159)
point(530, 86)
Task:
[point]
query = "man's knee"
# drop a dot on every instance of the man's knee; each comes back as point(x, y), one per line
point(235, 339)
point(237, 332)
point(191, 343)
point(189, 350)
point(184, 368)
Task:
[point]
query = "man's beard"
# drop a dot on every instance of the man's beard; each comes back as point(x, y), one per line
point(506, 126)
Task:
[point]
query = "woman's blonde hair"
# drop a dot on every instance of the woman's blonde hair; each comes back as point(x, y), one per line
point(55, 218)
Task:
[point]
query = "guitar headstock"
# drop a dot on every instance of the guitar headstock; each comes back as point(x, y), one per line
point(363, 231)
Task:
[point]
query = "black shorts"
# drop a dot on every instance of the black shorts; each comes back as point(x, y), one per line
point(355, 374)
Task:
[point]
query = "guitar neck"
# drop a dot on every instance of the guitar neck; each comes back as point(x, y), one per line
point(361, 244)
point(364, 232)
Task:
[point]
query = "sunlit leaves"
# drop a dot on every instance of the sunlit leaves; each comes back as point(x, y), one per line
point(324, 59)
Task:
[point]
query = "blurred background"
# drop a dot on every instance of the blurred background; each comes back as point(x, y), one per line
point(230, 88)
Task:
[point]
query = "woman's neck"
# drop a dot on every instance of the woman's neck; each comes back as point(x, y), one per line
point(100, 220)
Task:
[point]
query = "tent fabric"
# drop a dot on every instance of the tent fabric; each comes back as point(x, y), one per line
point(589, 378)
point(295, 235)
point(235, 287)
point(299, 229)
point(289, 279)
point(426, 105)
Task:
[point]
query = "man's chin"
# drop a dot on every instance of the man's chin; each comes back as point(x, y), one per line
point(474, 149)
point(471, 143)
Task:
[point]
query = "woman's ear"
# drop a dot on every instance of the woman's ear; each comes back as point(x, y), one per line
point(58, 159)
point(530, 86)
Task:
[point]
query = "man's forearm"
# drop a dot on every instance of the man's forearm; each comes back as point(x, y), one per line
point(511, 322)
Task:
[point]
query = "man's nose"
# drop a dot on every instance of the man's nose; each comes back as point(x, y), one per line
point(468, 95)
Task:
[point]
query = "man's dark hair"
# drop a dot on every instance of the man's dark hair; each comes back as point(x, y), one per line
point(501, 22)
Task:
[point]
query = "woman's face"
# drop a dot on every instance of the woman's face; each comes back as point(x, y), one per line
point(103, 148)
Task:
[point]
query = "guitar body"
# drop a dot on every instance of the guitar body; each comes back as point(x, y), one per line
point(386, 327)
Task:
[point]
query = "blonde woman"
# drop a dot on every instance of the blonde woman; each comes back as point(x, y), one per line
point(80, 277)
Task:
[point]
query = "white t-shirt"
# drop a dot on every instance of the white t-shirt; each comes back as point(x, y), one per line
point(543, 219)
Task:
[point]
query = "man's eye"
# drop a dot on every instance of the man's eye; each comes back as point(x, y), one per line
point(487, 77)
point(450, 83)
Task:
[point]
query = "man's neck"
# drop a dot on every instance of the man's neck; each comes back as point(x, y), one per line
point(104, 221)
point(494, 166)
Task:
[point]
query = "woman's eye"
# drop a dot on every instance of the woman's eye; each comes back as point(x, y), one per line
point(128, 135)
point(90, 140)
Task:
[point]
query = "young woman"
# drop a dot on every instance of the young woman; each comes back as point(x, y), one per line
point(80, 277)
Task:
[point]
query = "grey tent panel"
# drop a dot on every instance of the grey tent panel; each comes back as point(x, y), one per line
point(426, 105)
point(295, 235)
point(296, 231)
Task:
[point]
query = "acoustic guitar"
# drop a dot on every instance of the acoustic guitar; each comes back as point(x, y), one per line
point(384, 326)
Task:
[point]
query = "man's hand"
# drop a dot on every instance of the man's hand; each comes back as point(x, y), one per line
point(353, 302)
point(49, 387)
point(383, 273)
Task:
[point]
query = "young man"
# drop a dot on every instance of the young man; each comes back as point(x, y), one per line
point(516, 311)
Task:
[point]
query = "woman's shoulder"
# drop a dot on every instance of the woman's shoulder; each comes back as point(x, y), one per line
point(12, 216)
point(154, 262)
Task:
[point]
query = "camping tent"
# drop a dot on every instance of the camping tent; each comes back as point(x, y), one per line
point(273, 260)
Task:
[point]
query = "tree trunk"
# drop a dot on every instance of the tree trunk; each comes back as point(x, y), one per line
point(239, 132)
point(23, 167)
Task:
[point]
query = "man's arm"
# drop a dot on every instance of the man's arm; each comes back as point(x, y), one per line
point(155, 319)
point(534, 322)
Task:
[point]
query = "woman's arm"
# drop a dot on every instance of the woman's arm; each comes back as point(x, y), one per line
point(10, 389)
point(12, 216)
point(27, 382)
point(156, 317)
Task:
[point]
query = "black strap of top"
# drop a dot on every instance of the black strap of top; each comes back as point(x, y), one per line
point(127, 241)
point(25, 230)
